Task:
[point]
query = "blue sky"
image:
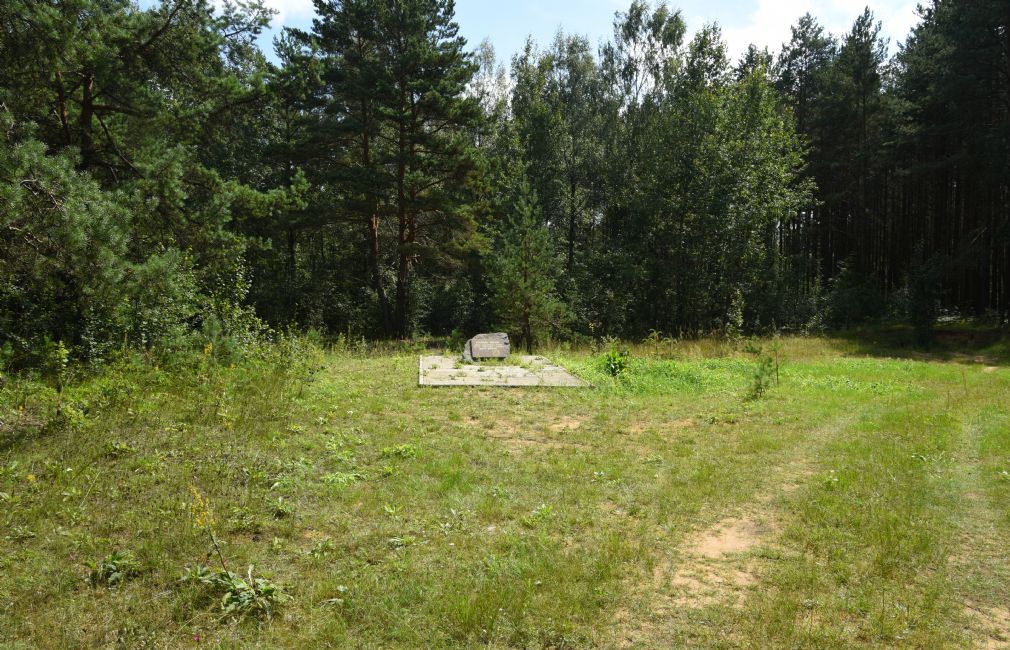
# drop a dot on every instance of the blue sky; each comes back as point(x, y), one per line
point(764, 22)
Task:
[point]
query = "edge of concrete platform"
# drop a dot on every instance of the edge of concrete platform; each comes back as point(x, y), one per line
point(502, 382)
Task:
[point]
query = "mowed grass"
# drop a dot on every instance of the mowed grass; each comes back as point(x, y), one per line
point(863, 501)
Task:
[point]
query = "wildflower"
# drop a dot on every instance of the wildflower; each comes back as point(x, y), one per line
point(203, 516)
point(31, 478)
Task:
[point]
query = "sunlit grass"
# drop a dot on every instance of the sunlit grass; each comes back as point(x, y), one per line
point(404, 516)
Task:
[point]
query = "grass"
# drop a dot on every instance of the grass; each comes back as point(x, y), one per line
point(862, 501)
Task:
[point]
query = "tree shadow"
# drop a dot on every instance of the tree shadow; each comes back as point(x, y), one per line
point(954, 344)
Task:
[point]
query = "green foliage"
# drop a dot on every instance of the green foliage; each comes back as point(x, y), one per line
point(853, 298)
point(615, 361)
point(343, 479)
point(113, 570)
point(923, 300)
point(240, 596)
point(164, 187)
point(400, 451)
point(523, 272)
point(540, 516)
point(120, 199)
point(766, 370)
point(735, 317)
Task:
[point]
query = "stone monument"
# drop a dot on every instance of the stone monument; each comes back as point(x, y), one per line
point(487, 346)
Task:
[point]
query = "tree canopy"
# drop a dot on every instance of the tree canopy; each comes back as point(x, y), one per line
point(163, 182)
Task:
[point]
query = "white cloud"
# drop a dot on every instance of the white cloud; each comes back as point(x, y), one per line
point(769, 24)
point(288, 10)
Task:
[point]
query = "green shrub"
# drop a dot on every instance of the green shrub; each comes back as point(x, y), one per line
point(924, 300)
point(854, 297)
point(615, 362)
point(766, 370)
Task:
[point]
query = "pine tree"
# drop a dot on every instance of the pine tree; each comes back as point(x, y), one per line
point(428, 114)
point(523, 271)
point(356, 89)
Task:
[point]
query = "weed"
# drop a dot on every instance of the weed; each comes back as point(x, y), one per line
point(540, 514)
point(19, 533)
point(320, 549)
point(343, 479)
point(653, 340)
point(615, 362)
point(112, 570)
point(339, 600)
point(400, 451)
point(243, 519)
point(241, 596)
point(119, 449)
point(282, 508)
point(401, 542)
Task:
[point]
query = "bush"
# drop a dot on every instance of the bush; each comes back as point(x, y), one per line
point(766, 370)
point(923, 295)
point(853, 297)
point(615, 362)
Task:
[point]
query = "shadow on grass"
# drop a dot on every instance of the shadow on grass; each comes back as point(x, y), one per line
point(952, 343)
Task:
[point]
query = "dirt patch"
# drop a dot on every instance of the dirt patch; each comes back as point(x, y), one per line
point(990, 369)
point(496, 426)
point(566, 424)
point(637, 428)
point(524, 444)
point(712, 569)
point(314, 535)
point(734, 535)
point(992, 623)
point(512, 434)
point(713, 586)
point(612, 509)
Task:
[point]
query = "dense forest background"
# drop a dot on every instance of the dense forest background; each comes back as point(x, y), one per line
point(162, 184)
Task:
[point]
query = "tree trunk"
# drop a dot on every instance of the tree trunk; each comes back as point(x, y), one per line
point(571, 228)
point(403, 263)
point(376, 272)
point(402, 278)
point(86, 118)
point(64, 109)
point(375, 269)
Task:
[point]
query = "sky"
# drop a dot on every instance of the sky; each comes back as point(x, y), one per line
point(763, 22)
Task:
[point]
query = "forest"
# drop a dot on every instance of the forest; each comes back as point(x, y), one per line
point(164, 184)
point(758, 388)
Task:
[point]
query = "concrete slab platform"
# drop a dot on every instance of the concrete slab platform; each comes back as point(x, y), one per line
point(441, 370)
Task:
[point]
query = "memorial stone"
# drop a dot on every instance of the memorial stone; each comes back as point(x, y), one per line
point(487, 346)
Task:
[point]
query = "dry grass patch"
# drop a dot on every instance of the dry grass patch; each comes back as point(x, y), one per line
point(990, 624)
point(566, 423)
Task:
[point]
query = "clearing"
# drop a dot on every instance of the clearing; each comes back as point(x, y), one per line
point(862, 502)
